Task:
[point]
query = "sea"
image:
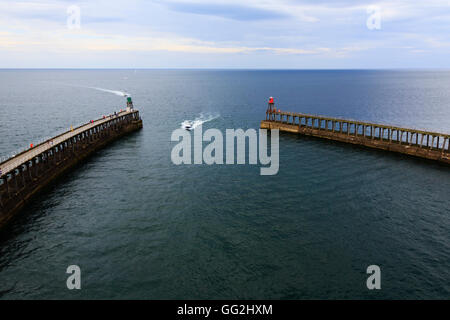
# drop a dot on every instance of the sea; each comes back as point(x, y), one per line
point(141, 227)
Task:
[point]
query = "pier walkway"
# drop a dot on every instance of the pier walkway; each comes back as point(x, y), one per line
point(28, 155)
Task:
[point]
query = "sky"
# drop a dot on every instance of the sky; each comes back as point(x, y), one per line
point(251, 34)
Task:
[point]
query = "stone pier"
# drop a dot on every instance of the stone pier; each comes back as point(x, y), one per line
point(418, 143)
point(27, 173)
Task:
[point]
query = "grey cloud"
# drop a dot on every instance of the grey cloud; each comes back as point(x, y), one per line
point(234, 12)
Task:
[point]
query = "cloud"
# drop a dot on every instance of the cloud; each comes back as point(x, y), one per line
point(273, 32)
point(51, 11)
point(228, 11)
point(85, 41)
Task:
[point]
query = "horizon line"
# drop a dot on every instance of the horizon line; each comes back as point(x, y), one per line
point(237, 69)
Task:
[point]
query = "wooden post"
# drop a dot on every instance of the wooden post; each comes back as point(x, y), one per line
point(54, 156)
point(5, 182)
point(40, 166)
point(59, 154)
point(22, 175)
point(48, 160)
point(29, 171)
point(35, 166)
point(15, 179)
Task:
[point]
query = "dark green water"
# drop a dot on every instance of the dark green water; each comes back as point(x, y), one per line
point(140, 227)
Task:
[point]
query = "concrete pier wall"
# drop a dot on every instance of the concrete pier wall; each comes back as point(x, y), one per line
point(418, 143)
point(25, 175)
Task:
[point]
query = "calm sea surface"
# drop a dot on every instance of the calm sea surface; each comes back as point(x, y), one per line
point(140, 227)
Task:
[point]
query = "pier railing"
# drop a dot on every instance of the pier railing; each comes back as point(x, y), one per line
point(388, 134)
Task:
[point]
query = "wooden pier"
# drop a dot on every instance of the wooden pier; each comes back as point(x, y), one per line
point(418, 143)
point(24, 175)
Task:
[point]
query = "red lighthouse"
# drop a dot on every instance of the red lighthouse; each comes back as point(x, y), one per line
point(271, 107)
point(271, 104)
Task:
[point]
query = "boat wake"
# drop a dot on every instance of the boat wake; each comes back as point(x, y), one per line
point(116, 92)
point(202, 118)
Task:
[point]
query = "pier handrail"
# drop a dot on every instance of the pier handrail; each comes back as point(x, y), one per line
point(304, 115)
